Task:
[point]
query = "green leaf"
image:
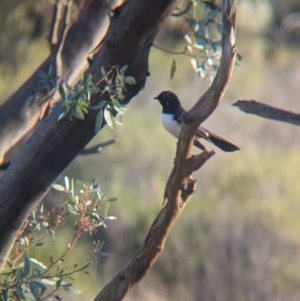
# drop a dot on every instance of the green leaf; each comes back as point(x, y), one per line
point(84, 109)
point(95, 216)
point(42, 286)
point(130, 80)
point(58, 282)
point(19, 275)
point(66, 284)
point(123, 69)
point(105, 254)
point(72, 290)
point(40, 243)
point(26, 266)
point(19, 294)
point(194, 64)
point(173, 68)
point(78, 114)
point(62, 116)
point(43, 75)
point(100, 246)
point(106, 209)
point(83, 103)
point(48, 281)
point(111, 218)
point(39, 264)
point(238, 59)
point(98, 123)
point(98, 106)
point(35, 290)
point(58, 187)
point(62, 92)
point(67, 183)
point(108, 118)
point(111, 200)
point(72, 189)
point(80, 183)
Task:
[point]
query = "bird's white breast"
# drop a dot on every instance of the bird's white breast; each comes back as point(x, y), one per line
point(171, 125)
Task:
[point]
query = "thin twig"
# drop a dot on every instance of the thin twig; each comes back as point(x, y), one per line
point(185, 52)
point(97, 148)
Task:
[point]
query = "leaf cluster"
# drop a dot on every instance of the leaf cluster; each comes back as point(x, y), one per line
point(26, 277)
point(76, 99)
point(203, 39)
point(45, 83)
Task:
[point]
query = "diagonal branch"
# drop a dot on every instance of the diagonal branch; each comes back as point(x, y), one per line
point(148, 253)
point(20, 113)
point(266, 111)
point(55, 144)
point(180, 185)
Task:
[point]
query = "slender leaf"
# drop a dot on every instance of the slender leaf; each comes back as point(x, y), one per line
point(40, 285)
point(112, 200)
point(80, 183)
point(123, 69)
point(106, 209)
point(130, 80)
point(62, 116)
point(108, 118)
point(98, 123)
point(39, 264)
point(105, 254)
point(34, 289)
point(72, 290)
point(173, 68)
point(20, 294)
point(78, 114)
point(19, 275)
point(101, 246)
point(26, 266)
point(48, 282)
point(58, 187)
point(67, 183)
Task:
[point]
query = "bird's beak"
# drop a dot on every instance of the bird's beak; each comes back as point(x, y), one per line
point(156, 97)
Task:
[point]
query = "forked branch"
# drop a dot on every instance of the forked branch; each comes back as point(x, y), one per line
point(180, 185)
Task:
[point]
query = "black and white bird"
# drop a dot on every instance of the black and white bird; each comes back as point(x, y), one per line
point(171, 111)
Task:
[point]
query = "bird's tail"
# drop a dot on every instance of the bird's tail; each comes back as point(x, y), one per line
point(221, 143)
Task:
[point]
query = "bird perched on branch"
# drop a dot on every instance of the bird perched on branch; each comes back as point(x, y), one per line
point(171, 112)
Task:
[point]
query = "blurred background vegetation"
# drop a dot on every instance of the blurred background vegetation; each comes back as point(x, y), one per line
point(239, 237)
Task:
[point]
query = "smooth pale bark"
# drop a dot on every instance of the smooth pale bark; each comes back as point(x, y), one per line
point(20, 113)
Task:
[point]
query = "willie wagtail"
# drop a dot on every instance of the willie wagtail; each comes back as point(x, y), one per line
point(171, 112)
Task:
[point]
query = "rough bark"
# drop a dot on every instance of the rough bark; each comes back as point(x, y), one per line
point(266, 111)
point(55, 144)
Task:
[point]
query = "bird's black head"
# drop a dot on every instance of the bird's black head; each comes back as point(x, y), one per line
point(169, 101)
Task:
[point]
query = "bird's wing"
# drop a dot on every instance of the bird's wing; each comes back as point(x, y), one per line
point(202, 133)
point(216, 140)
